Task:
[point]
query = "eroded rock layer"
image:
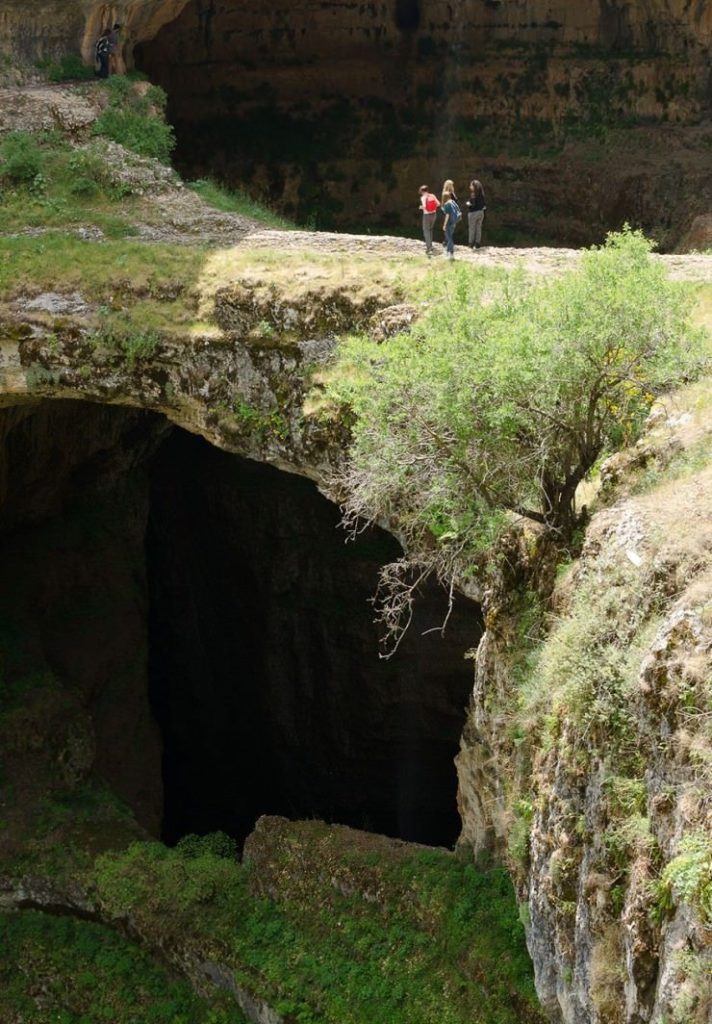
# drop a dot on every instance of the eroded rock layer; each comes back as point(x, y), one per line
point(576, 116)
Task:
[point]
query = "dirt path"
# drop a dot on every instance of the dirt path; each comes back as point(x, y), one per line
point(535, 260)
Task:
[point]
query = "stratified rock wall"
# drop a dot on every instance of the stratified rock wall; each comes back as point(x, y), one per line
point(577, 116)
point(52, 28)
point(337, 113)
point(604, 781)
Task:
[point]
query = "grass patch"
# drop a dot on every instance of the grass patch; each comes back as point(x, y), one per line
point(76, 972)
point(61, 262)
point(237, 201)
point(46, 183)
point(69, 68)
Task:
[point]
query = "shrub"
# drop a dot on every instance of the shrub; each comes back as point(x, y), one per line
point(71, 67)
point(84, 187)
point(216, 844)
point(135, 119)
point(132, 342)
point(20, 158)
point(87, 163)
point(505, 395)
point(687, 878)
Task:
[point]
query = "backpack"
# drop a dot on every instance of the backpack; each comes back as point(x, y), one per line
point(456, 212)
point(102, 46)
point(431, 203)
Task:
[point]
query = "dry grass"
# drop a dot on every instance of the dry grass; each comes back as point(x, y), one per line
point(300, 274)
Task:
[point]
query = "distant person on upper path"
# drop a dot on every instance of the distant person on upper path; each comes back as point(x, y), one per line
point(116, 62)
point(452, 213)
point(429, 205)
point(475, 214)
point(101, 52)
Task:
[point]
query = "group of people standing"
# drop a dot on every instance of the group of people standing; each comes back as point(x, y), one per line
point(108, 51)
point(450, 207)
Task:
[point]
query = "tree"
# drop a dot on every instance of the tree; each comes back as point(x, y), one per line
point(505, 395)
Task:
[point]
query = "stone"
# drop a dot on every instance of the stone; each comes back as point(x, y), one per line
point(699, 237)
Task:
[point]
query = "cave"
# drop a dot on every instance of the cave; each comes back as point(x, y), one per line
point(208, 614)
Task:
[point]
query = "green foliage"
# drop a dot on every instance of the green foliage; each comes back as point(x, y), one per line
point(69, 68)
point(518, 840)
point(693, 995)
point(443, 943)
point(627, 839)
point(76, 972)
point(20, 158)
point(625, 796)
point(585, 672)
point(134, 117)
point(236, 201)
point(134, 342)
point(261, 424)
point(687, 879)
point(216, 844)
point(506, 393)
point(45, 182)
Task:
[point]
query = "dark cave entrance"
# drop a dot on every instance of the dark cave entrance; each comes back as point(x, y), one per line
point(265, 673)
point(139, 560)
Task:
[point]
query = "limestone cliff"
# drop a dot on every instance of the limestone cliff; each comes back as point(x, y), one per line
point(575, 115)
point(604, 797)
point(594, 785)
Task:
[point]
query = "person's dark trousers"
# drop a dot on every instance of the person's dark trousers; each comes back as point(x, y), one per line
point(474, 223)
point(428, 225)
point(103, 65)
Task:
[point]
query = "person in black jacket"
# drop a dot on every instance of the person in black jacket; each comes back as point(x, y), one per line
point(101, 51)
point(475, 214)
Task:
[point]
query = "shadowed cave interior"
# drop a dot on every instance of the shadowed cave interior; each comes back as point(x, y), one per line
point(208, 615)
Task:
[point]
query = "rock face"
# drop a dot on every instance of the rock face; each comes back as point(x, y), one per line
point(576, 116)
point(602, 805)
point(53, 28)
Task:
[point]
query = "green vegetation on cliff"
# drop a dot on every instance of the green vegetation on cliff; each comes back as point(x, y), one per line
point(47, 183)
point(332, 926)
point(504, 397)
point(134, 117)
point(65, 971)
